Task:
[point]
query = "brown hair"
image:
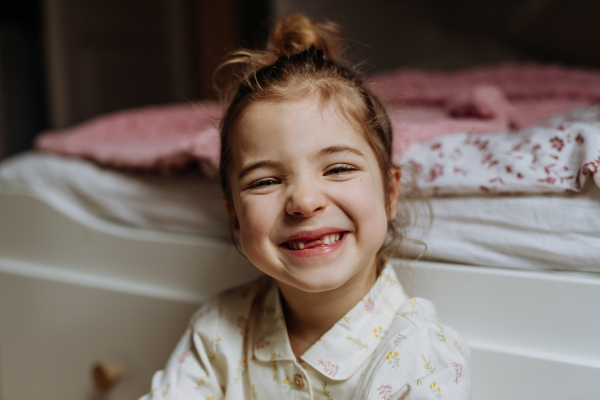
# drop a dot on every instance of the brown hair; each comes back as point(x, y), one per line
point(302, 60)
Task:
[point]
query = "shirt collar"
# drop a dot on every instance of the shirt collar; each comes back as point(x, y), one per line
point(343, 349)
point(272, 342)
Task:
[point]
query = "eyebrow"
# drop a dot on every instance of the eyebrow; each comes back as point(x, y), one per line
point(259, 164)
point(327, 151)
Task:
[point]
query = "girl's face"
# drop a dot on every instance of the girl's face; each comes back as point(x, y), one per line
point(308, 199)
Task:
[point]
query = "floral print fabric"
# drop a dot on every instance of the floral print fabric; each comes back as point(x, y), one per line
point(388, 346)
point(556, 156)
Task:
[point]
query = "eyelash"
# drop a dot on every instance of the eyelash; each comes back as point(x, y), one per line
point(342, 168)
point(261, 183)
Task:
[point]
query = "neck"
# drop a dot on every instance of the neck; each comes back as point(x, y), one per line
point(309, 316)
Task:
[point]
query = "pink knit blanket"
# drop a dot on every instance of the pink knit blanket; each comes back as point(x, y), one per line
point(164, 139)
point(423, 106)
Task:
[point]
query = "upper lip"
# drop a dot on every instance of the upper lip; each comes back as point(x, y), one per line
point(312, 235)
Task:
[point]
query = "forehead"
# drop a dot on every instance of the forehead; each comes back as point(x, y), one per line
point(292, 128)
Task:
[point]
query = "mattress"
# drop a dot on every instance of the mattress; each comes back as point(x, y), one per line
point(554, 232)
point(557, 232)
point(189, 204)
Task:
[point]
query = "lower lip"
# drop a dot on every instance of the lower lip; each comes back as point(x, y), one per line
point(317, 251)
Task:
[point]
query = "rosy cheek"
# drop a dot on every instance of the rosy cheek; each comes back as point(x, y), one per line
point(368, 205)
point(369, 197)
point(255, 220)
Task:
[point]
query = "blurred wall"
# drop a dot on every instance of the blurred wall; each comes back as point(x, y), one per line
point(104, 55)
point(64, 61)
point(22, 89)
point(446, 35)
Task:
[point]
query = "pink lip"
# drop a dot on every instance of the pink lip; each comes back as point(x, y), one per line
point(318, 251)
point(312, 235)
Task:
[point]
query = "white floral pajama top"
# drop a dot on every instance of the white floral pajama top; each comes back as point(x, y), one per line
point(387, 347)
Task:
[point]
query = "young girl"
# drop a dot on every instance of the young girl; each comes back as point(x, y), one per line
point(312, 194)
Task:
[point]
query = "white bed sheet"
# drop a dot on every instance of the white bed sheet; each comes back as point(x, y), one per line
point(542, 232)
point(555, 232)
point(182, 204)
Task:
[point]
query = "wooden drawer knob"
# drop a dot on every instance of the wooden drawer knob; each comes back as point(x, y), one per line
point(106, 375)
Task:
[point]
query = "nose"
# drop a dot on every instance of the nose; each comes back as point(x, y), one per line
point(304, 199)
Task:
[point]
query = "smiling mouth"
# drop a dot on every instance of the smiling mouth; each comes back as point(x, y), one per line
point(324, 240)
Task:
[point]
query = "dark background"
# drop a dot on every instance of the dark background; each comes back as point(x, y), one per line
point(64, 61)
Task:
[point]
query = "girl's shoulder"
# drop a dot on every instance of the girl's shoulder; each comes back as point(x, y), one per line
point(419, 312)
point(420, 358)
point(418, 319)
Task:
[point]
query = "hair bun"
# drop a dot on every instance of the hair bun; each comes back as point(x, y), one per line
point(294, 33)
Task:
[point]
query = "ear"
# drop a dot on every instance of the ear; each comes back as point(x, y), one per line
point(394, 189)
point(235, 222)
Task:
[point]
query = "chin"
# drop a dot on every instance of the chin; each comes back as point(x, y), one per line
point(315, 282)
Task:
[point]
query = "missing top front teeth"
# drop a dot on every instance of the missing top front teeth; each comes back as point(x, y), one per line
point(311, 244)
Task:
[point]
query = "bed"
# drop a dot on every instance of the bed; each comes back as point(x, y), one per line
point(91, 266)
point(92, 271)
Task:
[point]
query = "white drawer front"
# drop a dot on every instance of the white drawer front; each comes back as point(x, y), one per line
point(51, 334)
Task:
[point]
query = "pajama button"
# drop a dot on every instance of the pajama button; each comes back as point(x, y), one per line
point(298, 381)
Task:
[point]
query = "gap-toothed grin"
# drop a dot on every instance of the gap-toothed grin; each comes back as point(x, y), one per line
point(314, 243)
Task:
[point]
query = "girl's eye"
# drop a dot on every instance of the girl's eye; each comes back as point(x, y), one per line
point(262, 183)
point(338, 169)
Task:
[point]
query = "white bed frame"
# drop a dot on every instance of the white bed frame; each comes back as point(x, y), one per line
point(75, 289)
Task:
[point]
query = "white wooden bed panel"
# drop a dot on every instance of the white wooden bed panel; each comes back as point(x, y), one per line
point(41, 238)
point(501, 376)
point(541, 313)
point(52, 333)
point(533, 335)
